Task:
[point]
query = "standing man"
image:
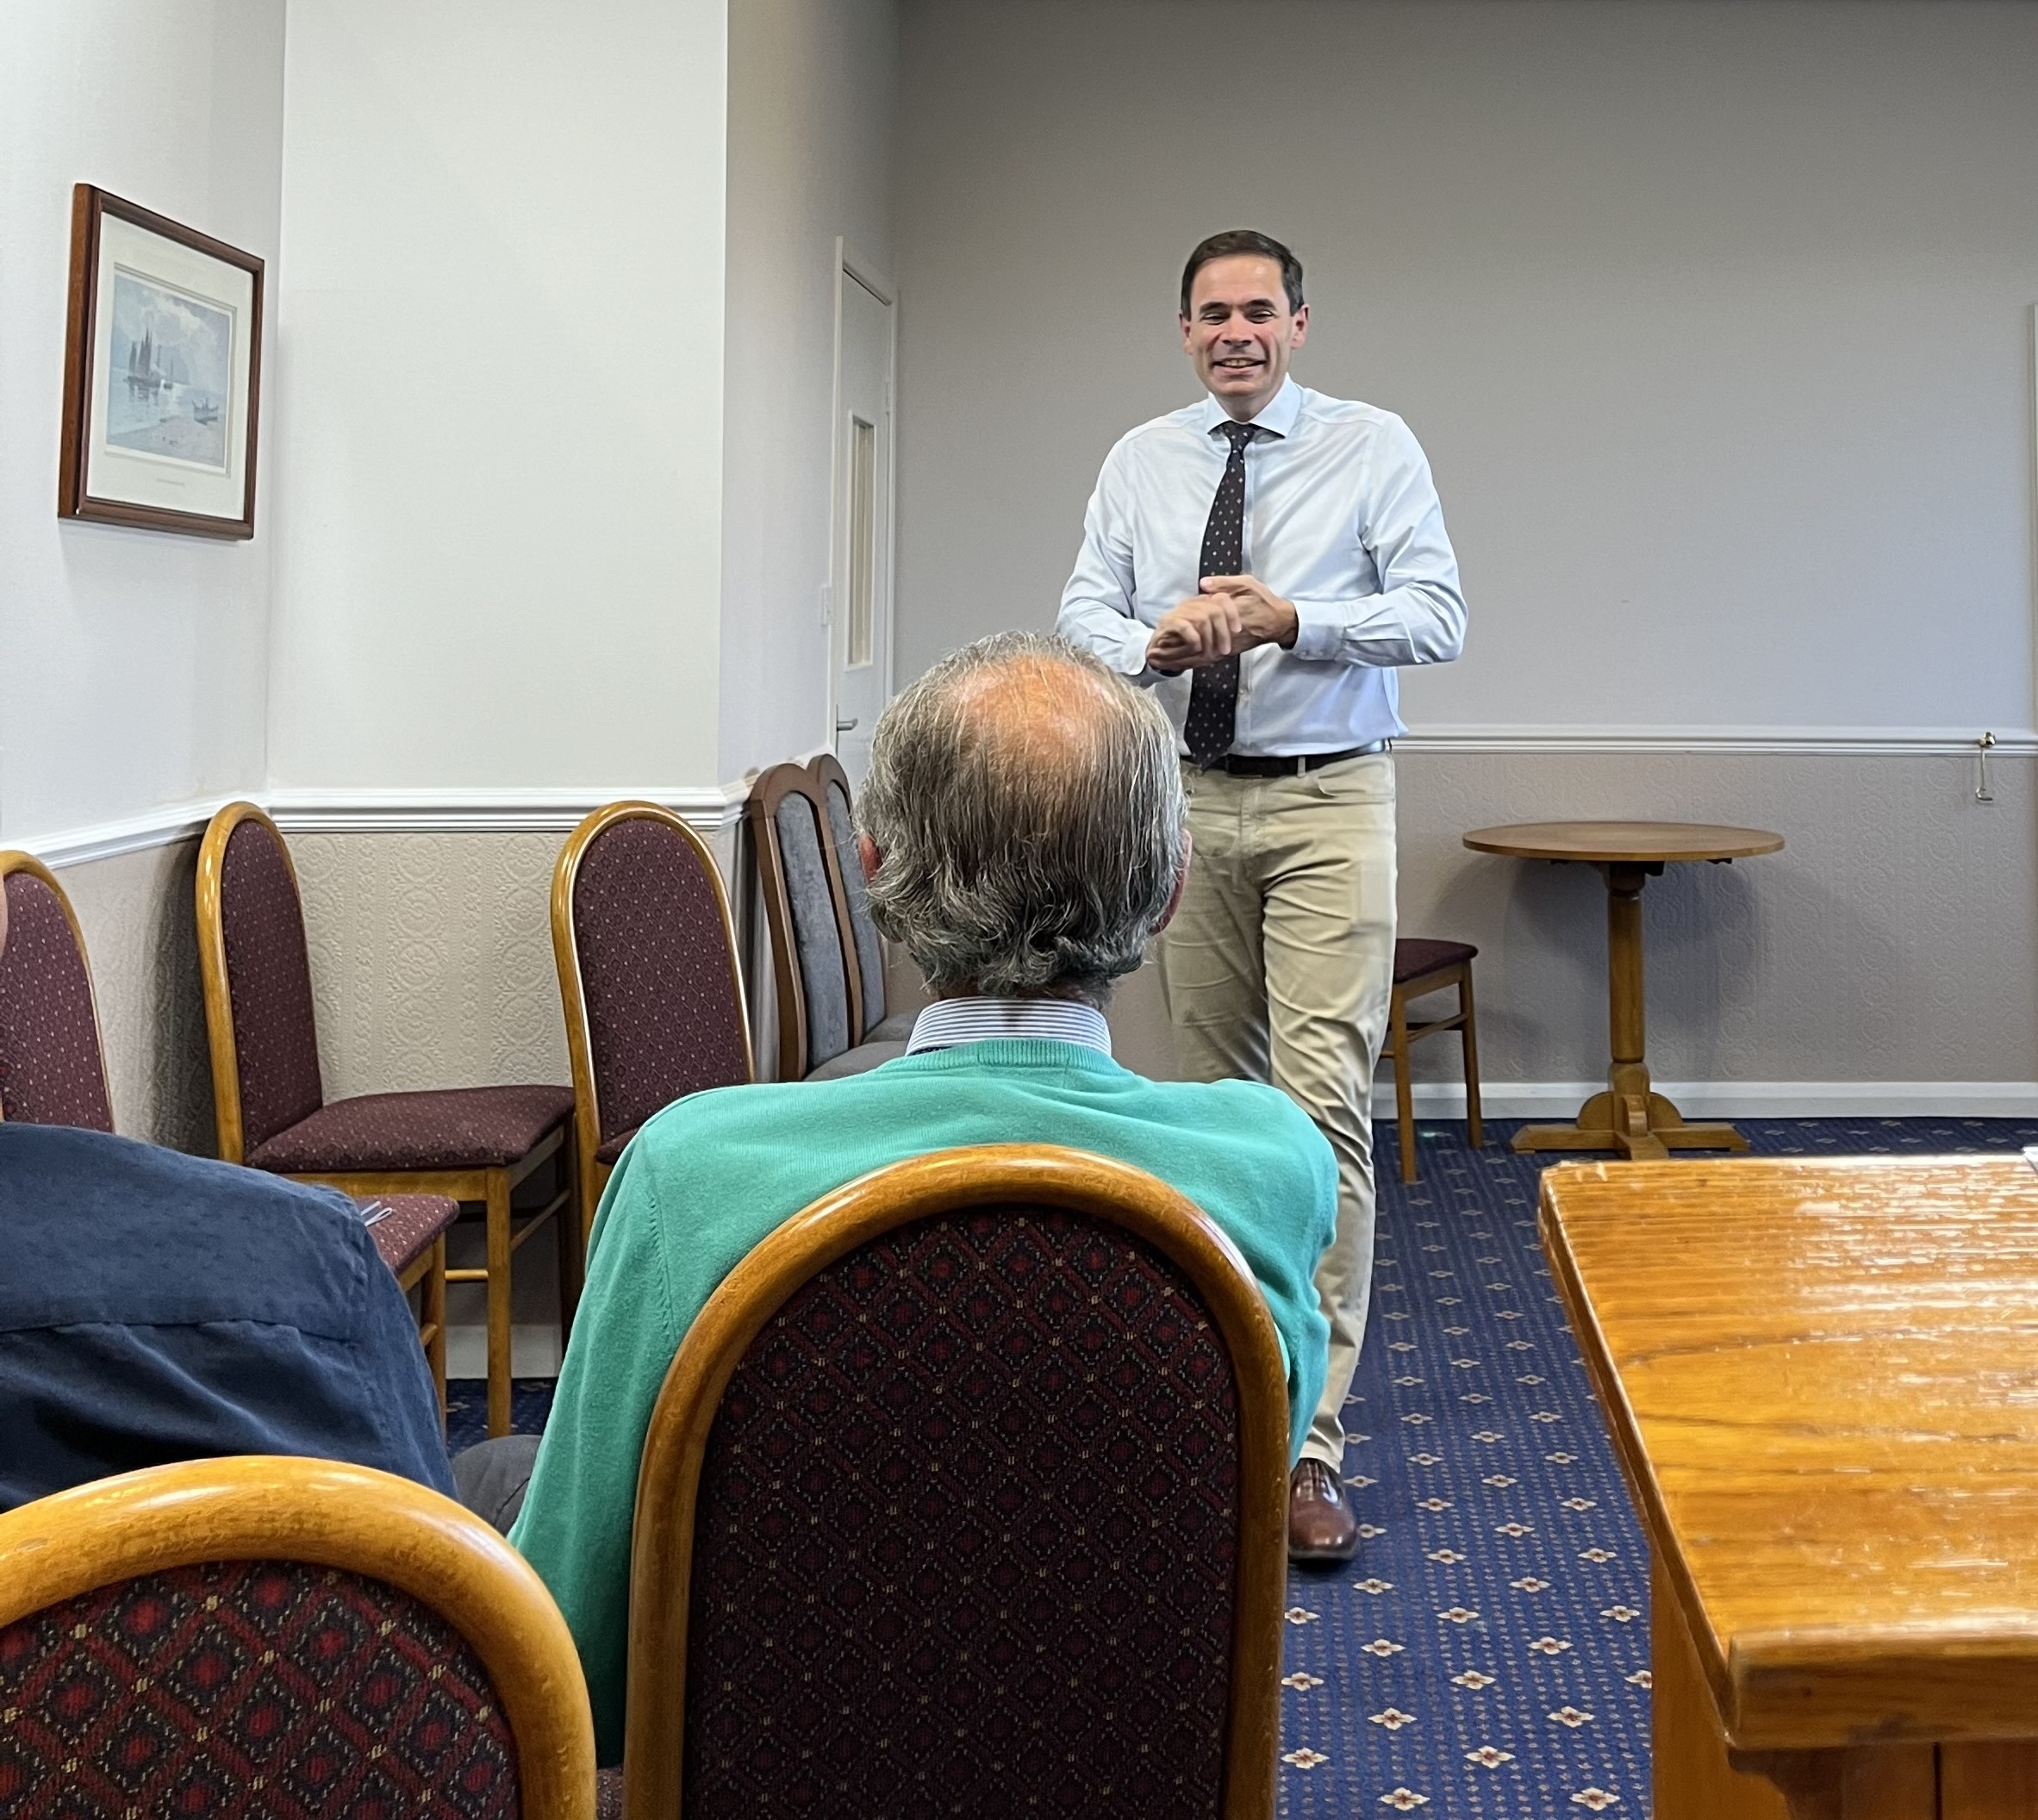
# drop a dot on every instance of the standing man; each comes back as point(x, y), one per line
point(1265, 560)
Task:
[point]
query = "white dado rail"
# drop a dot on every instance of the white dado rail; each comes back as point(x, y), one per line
point(712, 807)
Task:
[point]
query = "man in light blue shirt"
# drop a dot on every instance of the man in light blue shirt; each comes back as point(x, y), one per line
point(1264, 561)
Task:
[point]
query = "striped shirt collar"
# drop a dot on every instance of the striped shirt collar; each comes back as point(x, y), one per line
point(948, 1022)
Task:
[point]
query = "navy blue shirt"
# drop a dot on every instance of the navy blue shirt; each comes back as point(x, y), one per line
point(154, 1306)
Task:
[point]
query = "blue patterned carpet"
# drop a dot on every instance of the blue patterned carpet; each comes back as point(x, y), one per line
point(1487, 1656)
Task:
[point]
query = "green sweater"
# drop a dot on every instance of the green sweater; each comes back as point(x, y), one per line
point(712, 1174)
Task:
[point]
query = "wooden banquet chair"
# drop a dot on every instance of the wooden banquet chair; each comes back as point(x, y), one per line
point(966, 1491)
point(821, 1023)
point(52, 1062)
point(471, 1144)
point(257, 1635)
point(1422, 967)
point(649, 978)
point(865, 942)
point(53, 1071)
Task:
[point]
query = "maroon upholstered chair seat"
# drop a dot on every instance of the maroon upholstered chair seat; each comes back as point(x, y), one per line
point(614, 1147)
point(52, 1071)
point(403, 1234)
point(446, 1128)
point(1414, 956)
point(250, 1688)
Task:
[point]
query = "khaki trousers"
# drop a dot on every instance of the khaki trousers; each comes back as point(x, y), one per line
point(1278, 967)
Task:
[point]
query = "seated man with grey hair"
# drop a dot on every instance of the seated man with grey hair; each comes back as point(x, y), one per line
point(1024, 836)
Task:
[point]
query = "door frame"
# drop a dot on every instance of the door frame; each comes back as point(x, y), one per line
point(852, 268)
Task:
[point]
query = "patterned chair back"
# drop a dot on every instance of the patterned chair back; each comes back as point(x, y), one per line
point(268, 1638)
point(819, 995)
point(648, 970)
point(53, 1065)
point(842, 827)
point(966, 1493)
point(257, 971)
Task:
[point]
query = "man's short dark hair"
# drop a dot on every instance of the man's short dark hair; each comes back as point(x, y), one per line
point(1234, 241)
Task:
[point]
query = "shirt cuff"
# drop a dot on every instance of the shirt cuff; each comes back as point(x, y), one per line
point(1319, 629)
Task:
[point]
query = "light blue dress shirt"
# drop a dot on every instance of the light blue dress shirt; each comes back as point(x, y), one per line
point(1341, 518)
point(948, 1022)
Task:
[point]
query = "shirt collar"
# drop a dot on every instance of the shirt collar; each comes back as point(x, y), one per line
point(948, 1022)
point(1279, 417)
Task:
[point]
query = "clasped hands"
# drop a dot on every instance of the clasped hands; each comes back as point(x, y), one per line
point(1233, 612)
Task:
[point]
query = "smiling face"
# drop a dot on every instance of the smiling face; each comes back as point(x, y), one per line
point(1240, 333)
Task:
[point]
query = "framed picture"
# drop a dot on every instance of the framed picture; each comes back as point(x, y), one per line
point(162, 373)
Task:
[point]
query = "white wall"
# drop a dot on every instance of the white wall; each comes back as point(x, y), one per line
point(1713, 318)
point(500, 435)
point(132, 662)
point(811, 94)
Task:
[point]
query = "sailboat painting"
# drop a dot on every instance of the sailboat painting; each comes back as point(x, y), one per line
point(171, 366)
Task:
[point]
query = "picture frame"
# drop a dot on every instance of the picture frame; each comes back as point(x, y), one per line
point(162, 373)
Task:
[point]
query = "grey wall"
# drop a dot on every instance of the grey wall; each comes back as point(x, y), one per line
point(811, 99)
point(1713, 318)
point(1716, 321)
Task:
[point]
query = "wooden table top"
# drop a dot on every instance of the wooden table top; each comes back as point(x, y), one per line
point(1643, 843)
point(1821, 1378)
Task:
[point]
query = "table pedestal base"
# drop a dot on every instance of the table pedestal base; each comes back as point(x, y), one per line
point(1643, 1125)
point(1631, 1116)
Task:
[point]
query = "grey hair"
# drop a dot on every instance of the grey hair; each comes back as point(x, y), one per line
point(1027, 809)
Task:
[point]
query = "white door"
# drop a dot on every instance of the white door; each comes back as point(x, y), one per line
point(860, 591)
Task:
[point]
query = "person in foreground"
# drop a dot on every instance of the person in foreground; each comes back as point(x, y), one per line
point(155, 1307)
point(1024, 835)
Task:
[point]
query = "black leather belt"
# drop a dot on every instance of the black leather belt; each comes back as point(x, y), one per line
point(1239, 765)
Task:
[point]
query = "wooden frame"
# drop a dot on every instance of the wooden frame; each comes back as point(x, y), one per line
point(580, 1048)
point(993, 1174)
point(14, 861)
point(91, 209)
point(257, 1507)
point(772, 789)
point(1402, 1036)
point(492, 1188)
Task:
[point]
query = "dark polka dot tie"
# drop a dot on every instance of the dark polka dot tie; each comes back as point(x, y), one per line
point(1213, 695)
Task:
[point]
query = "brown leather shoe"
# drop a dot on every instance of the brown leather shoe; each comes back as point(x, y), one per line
point(1321, 1526)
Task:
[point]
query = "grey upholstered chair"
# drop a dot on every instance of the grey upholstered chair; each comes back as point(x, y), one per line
point(879, 1026)
point(820, 995)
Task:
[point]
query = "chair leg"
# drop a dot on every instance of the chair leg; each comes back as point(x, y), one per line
point(566, 1230)
point(431, 1317)
point(1403, 1090)
point(499, 1247)
point(1474, 1130)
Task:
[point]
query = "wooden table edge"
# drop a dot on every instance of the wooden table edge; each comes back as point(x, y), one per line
point(1736, 1674)
point(1631, 856)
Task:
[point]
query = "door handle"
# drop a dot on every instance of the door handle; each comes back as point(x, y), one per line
point(847, 726)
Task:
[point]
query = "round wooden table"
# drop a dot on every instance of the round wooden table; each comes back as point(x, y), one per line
point(1630, 1116)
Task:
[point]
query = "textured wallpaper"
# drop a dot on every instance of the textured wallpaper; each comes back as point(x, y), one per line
point(1895, 938)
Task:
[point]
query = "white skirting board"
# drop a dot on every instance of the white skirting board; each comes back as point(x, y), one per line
point(1559, 1100)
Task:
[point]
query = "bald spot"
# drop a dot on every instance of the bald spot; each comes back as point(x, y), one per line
point(1039, 712)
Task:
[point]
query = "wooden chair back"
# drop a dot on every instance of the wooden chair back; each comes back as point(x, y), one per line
point(52, 1062)
point(255, 966)
point(256, 1635)
point(820, 995)
point(649, 976)
point(865, 943)
point(993, 1444)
